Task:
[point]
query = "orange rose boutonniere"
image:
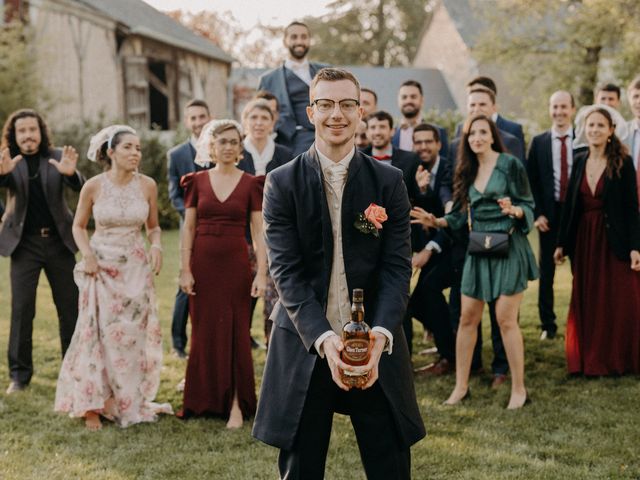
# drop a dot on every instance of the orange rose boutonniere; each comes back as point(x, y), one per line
point(371, 220)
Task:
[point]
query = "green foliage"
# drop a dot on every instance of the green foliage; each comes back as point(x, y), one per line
point(447, 119)
point(575, 428)
point(154, 161)
point(20, 86)
point(369, 32)
point(548, 45)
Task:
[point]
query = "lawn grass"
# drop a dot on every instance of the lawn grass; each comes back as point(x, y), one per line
point(574, 429)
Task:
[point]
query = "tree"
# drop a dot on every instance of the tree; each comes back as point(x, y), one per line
point(253, 49)
point(20, 86)
point(548, 45)
point(369, 32)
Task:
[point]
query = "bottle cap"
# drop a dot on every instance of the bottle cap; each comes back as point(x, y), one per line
point(358, 295)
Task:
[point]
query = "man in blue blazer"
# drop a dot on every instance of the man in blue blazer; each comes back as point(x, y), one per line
point(410, 102)
point(317, 256)
point(428, 303)
point(290, 84)
point(502, 123)
point(549, 167)
point(180, 162)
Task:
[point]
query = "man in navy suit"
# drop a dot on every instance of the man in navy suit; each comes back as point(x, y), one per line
point(502, 123)
point(180, 162)
point(317, 256)
point(379, 130)
point(410, 102)
point(549, 168)
point(482, 101)
point(290, 84)
point(428, 303)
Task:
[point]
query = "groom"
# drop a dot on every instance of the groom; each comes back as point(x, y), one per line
point(317, 257)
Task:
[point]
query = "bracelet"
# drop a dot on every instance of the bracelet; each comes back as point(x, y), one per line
point(155, 245)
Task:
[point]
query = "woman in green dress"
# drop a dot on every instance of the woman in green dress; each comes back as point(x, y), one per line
point(494, 186)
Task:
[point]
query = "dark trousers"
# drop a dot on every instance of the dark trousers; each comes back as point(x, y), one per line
point(179, 321)
point(429, 306)
point(33, 254)
point(381, 450)
point(499, 365)
point(301, 141)
point(548, 243)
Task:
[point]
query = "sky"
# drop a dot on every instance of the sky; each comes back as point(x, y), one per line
point(249, 12)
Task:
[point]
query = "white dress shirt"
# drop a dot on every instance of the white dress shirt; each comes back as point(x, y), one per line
point(301, 69)
point(634, 138)
point(556, 144)
point(338, 305)
point(260, 160)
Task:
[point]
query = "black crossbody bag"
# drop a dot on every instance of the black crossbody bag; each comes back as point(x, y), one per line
point(487, 244)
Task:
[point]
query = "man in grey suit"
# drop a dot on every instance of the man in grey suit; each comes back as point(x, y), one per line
point(316, 257)
point(180, 161)
point(36, 233)
point(290, 84)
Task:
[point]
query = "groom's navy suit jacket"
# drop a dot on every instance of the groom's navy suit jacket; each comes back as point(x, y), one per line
point(299, 239)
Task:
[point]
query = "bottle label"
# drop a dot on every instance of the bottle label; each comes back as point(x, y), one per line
point(356, 350)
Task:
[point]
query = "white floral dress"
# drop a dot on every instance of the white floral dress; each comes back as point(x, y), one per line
point(113, 363)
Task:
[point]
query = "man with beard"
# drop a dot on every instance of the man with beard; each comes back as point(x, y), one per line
point(428, 303)
point(36, 233)
point(549, 168)
point(290, 84)
point(410, 101)
point(180, 162)
point(379, 130)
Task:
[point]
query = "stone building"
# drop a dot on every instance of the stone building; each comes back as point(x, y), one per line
point(122, 59)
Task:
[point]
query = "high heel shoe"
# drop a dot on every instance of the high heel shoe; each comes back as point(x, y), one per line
point(527, 401)
point(464, 398)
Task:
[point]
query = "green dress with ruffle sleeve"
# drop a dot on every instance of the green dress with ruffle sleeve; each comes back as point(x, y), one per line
point(486, 278)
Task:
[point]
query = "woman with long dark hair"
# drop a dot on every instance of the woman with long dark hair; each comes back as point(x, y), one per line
point(600, 231)
point(492, 194)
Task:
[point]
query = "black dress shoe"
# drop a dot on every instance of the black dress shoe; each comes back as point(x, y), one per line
point(15, 386)
point(547, 335)
point(256, 345)
point(180, 353)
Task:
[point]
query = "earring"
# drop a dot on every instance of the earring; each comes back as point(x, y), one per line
point(609, 140)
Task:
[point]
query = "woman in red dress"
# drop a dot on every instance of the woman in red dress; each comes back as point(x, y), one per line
point(600, 231)
point(215, 273)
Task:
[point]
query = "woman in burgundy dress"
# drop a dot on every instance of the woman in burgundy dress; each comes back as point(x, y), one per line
point(600, 231)
point(215, 271)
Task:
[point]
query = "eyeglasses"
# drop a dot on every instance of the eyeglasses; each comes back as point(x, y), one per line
point(223, 142)
point(324, 105)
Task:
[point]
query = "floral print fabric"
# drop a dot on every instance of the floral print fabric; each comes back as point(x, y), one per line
point(113, 363)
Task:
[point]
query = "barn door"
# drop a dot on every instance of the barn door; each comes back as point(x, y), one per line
point(136, 91)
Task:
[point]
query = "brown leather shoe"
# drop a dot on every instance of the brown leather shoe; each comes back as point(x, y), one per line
point(441, 367)
point(498, 380)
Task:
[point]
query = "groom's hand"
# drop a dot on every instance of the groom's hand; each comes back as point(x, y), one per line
point(332, 346)
point(378, 341)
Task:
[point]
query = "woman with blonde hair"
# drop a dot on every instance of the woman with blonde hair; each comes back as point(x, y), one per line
point(214, 270)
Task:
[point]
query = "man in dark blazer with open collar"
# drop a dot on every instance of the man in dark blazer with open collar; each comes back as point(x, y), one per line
point(548, 185)
point(36, 233)
point(428, 303)
point(290, 84)
point(379, 133)
point(317, 256)
point(180, 161)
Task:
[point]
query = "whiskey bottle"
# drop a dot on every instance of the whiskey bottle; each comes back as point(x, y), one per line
point(355, 337)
